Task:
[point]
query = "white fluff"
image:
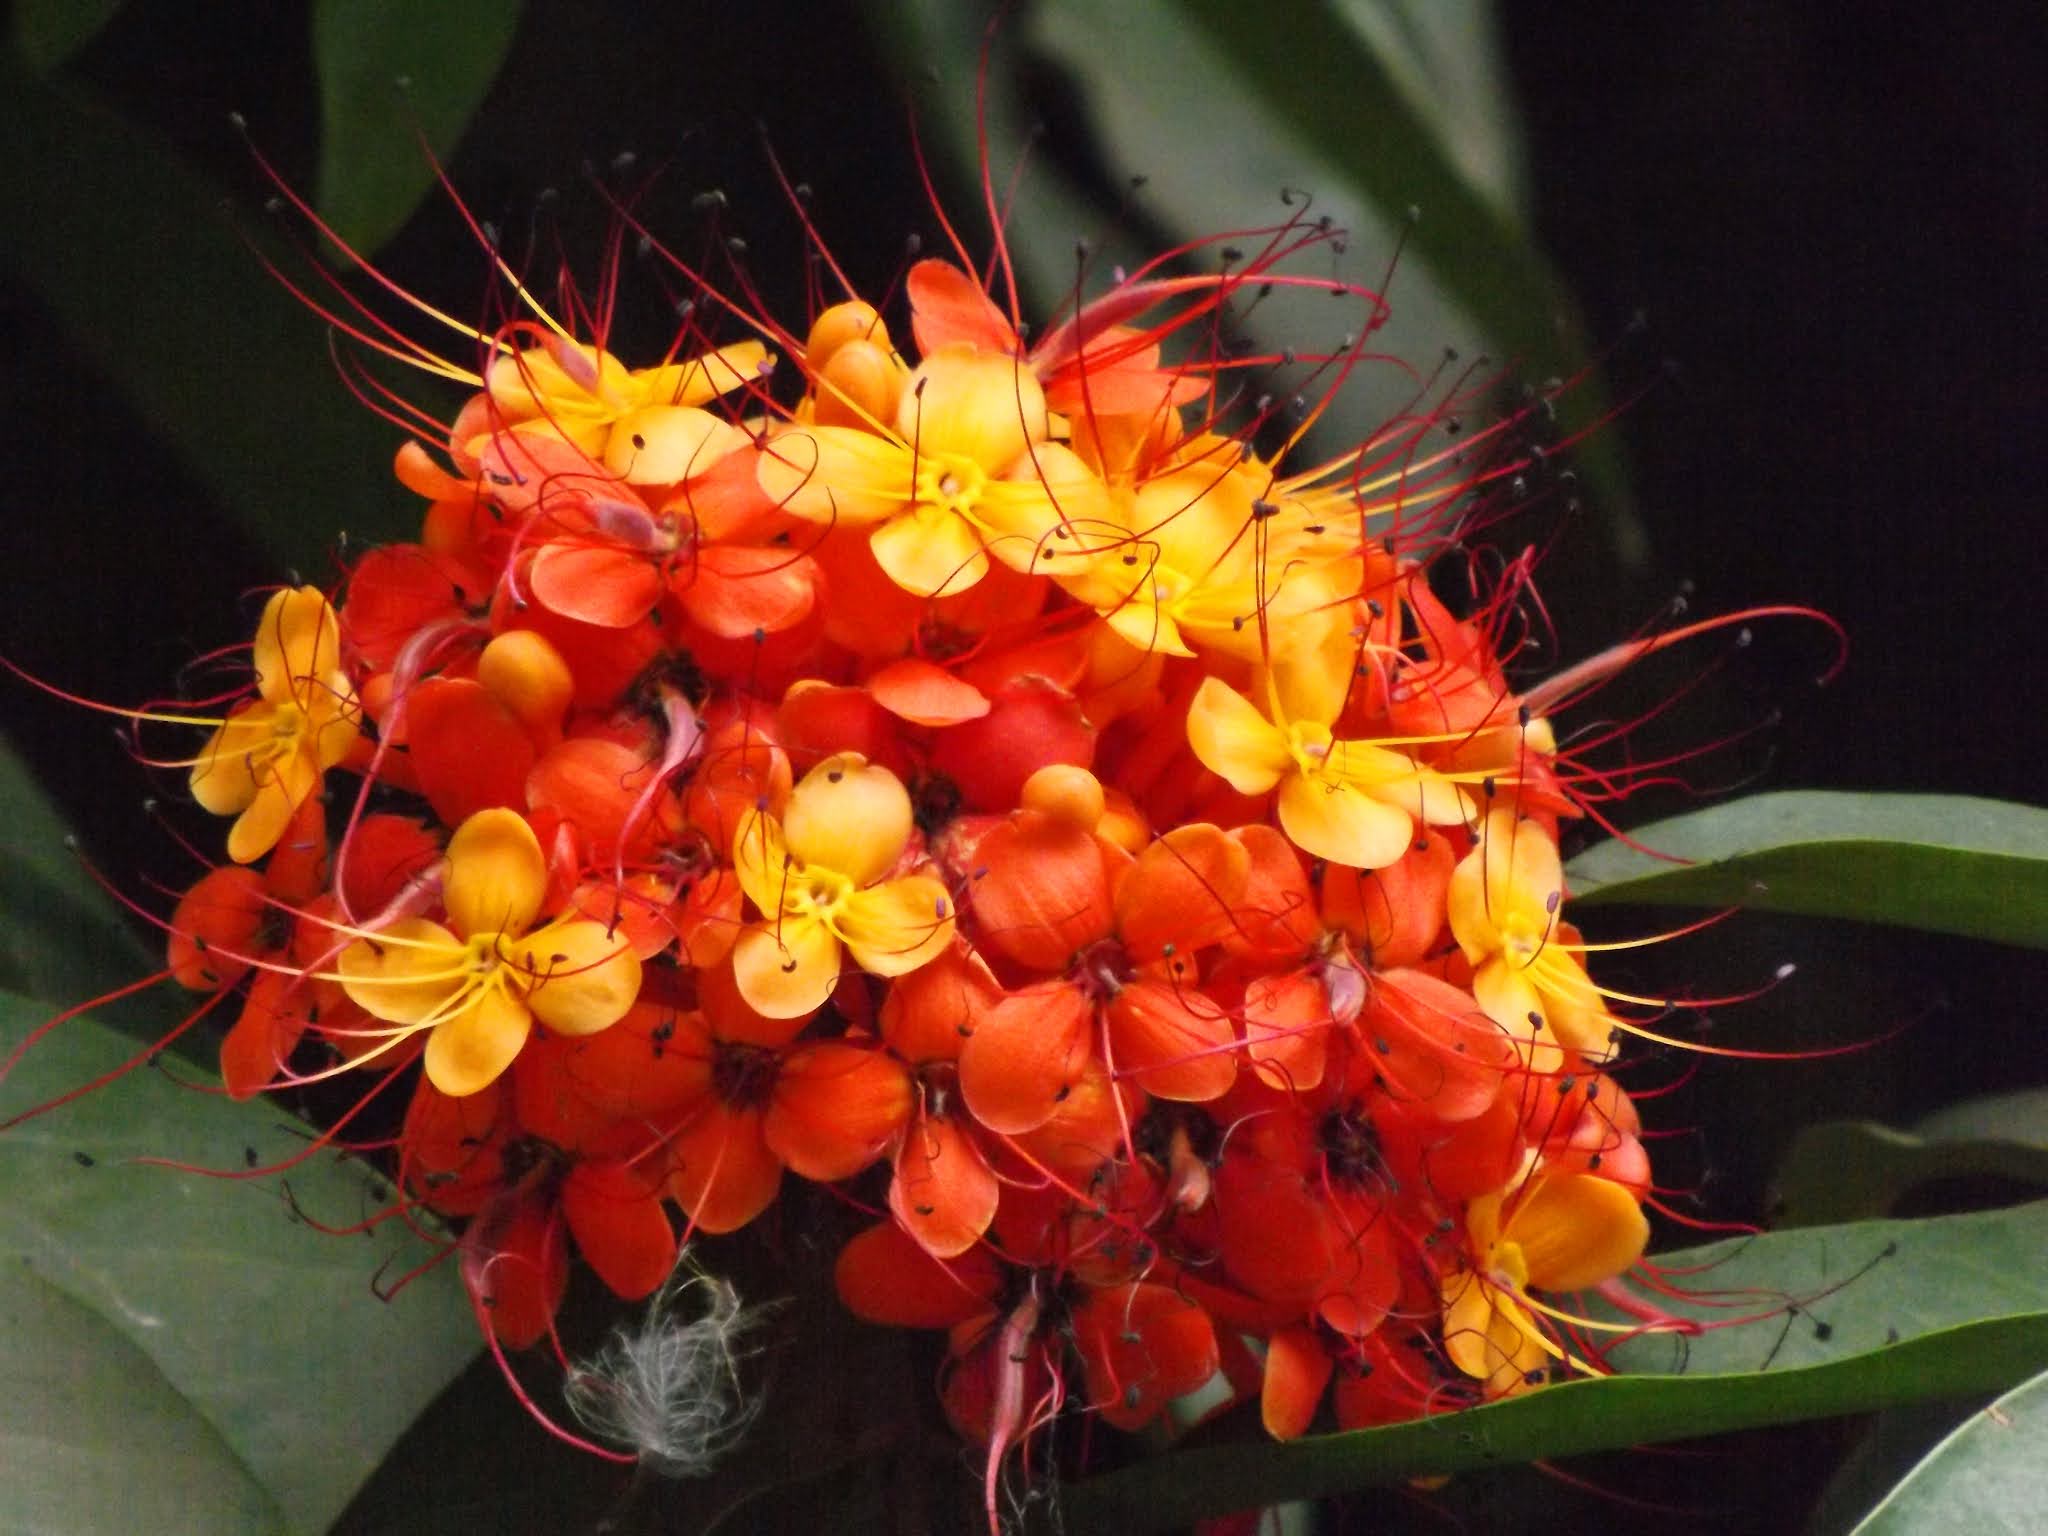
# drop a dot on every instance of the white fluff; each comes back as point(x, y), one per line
point(668, 1386)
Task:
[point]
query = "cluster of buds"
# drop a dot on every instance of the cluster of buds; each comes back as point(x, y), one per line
point(985, 776)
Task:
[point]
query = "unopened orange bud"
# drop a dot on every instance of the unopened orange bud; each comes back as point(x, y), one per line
point(860, 387)
point(855, 320)
point(1065, 793)
point(526, 674)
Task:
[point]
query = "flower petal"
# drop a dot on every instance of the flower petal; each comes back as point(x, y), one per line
point(581, 976)
point(471, 1049)
point(298, 644)
point(786, 968)
point(893, 928)
point(850, 816)
point(497, 875)
point(943, 1193)
point(405, 973)
point(1334, 821)
point(835, 1109)
point(1234, 741)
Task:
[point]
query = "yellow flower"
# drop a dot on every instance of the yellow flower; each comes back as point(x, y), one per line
point(815, 876)
point(267, 758)
point(1503, 906)
point(583, 391)
point(964, 471)
point(1351, 802)
point(1559, 1233)
point(480, 982)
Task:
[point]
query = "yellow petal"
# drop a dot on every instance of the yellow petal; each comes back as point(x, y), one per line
point(406, 973)
point(467, 1053)
point(786, 969)
point(298, 645)
point(895, 927)
point(496, 875)
point(665, 444)
point(931, 551)
point(837, 474)
point(980, 405)
point(1234, 741)
point(850, 816)
point(1577, 1231)
point(1343, 825)
point(579, 977)
point(702, 379)
point(1489, 1336)
point(283, 784)
point(761, 860)
point(221, 779)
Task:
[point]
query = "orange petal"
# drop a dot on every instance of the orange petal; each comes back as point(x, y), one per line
point(725, 1175)
point(1182, 894)
point(737, 591)
point(835, 1108)
point(214, 929)
point(943, 1193)
point(1141, 1346)
point(470, 751)
point(1025, 1056)
point(924, 694)
point(614, 1212)
point(599, 584)
point(1297, 1371)
point(1042, 893)
point(947, 307)
point(885, 1276)
point(1175, 1043)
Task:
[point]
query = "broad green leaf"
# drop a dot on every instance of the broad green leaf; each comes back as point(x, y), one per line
point(1990, 1477)
point(131, 251)
point(1846, 1170)
point(50, 31)
point(62, 940)
point(94, 1438)
point(1887, 1313)
point(272, 1331)
point(1950, 863)
point(394, 73)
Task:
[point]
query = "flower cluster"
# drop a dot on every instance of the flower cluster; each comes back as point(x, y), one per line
point(985, 774)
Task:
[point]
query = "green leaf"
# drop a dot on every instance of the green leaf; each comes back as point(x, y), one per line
point(132, 253)
point(1988, 1477)
point(48, 32)
point(94, 1438)
point(1846, 1170)
point(1887, 1313)
point(269, 1329)
point(394, 72)
point(63, 938)
point(1950, 863)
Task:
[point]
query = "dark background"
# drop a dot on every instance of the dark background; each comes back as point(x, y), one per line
point(1832, 215)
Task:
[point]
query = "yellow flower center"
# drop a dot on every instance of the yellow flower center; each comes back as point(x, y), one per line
point(816, 894)
point(1309, 743)
point(948, 482)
